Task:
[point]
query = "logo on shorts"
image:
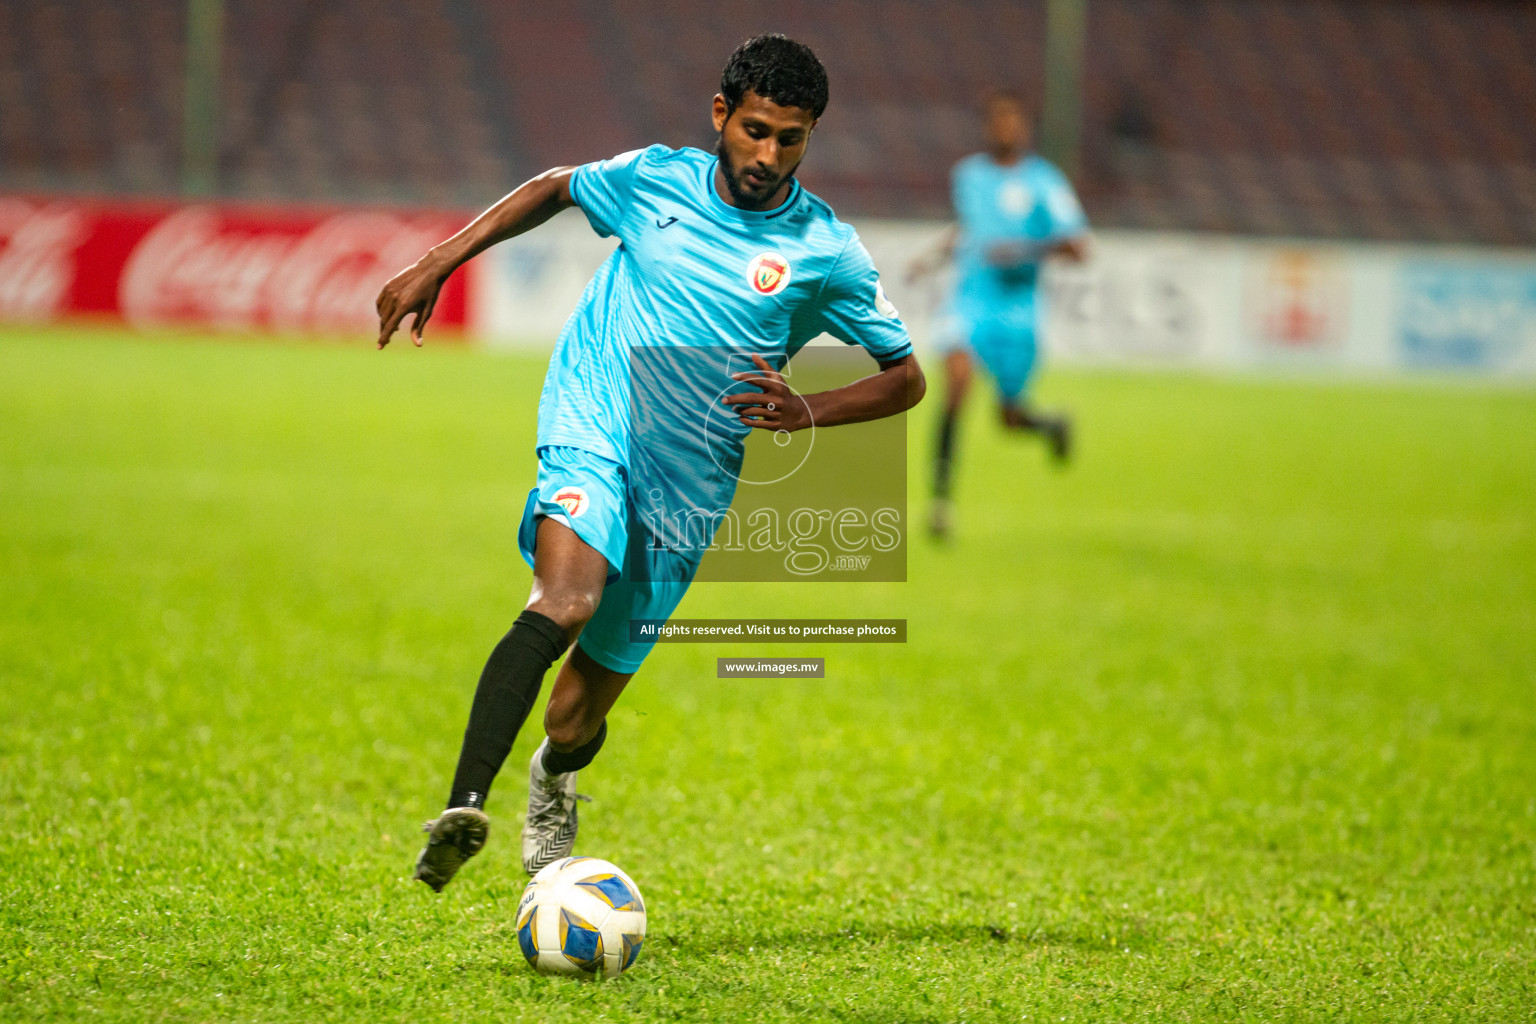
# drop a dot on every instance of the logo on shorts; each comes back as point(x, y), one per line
point(573, 500)
point(768, 273)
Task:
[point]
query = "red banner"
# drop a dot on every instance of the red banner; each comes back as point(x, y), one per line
point(242, 268)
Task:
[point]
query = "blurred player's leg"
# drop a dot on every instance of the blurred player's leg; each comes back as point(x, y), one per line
point(1056, 429)
point(957, 383)
point(1011, 353)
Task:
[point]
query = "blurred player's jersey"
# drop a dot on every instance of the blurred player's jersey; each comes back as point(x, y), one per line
point(696, 287)
point(995, 311)
point(1028, 202)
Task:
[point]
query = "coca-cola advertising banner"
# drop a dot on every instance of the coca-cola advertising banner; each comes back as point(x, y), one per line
point(241, 268)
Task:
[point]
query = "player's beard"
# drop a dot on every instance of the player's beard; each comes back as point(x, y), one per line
point(737, 188)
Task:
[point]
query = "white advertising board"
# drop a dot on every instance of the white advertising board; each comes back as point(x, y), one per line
point(1148, 299)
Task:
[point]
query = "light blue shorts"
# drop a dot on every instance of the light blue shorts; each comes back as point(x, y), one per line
point(589, 494)
point(1000, 332)
point(1007, 347)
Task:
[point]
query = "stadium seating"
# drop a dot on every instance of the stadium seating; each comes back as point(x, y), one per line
point(1327, 118)
point(326, 101)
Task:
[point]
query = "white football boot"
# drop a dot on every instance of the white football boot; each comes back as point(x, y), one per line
point(549, 831)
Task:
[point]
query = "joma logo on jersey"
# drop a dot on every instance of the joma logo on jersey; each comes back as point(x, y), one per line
point(572, 499)
point(768, 273)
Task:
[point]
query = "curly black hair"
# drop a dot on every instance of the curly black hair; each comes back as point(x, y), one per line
point(776, 68)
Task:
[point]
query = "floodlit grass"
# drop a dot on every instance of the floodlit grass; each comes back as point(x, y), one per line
point(1233, 720)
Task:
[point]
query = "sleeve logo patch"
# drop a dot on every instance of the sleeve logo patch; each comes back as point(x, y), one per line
point(572, 499)
point(768, 273)
point(883, 305)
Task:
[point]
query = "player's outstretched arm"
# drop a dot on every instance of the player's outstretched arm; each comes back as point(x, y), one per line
point(414, 289)
point(896, 388)
point(1018, 252)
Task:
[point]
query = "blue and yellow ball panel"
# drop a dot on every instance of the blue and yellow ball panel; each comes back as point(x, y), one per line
point(631, 950)
point(581, 943)
point(526, 939)
point(612, 890)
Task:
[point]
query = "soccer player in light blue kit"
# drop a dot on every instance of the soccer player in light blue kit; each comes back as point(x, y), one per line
point(1013, 209)
point(725, 268)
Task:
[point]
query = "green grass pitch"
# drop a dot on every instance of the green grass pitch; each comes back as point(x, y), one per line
point(1233, 720)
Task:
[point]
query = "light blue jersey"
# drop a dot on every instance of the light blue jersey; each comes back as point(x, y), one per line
point(1021, 208)
point(696, 286)
point(1028, 202)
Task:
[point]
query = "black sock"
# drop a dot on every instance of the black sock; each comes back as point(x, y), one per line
point(558, 763)
point(943, 460)
point(508, 687)
point(1021, 417)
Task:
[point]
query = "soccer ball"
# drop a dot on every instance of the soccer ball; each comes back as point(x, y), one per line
point(581, 915)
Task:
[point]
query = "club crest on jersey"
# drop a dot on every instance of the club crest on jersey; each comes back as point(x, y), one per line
point(573, 500)
point(768, 273)
point(1014, 198)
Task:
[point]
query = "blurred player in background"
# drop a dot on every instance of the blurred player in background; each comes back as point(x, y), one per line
point(719, 252)
point(1013, 210)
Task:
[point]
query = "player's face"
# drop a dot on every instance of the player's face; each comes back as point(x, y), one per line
point(1007, 126)
point(761, 144)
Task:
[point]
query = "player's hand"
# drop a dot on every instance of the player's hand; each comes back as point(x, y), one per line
point(1011, 255)
point(413, 290)
point(775, 406)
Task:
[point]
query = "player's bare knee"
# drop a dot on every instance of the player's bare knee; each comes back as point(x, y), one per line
point(570, 610)
point(568, 729)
